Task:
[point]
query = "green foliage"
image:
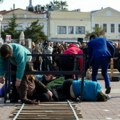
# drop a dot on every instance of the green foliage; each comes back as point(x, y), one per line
point(11, 30)
point(63, 5)
point(12, 24)
point(99, 31)
point(35, 32)
point(57, 5)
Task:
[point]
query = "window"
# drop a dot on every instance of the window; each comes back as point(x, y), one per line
point(5, 27)
point(119, 28)
point(19, 27)
point(112, 28)
point(70, 30)
point(96, 25)
point(28, 25)
point(61, 29)
point(41, 24)
point(80, 30)
point(105, 27)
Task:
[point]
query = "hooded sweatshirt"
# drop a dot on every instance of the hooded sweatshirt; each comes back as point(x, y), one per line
point(73, 49)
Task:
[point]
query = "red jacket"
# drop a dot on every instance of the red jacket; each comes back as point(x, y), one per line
point(73, 49)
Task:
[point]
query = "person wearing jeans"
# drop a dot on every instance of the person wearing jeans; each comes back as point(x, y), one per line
point(100, 52)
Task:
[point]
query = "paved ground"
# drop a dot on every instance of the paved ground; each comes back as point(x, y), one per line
point(109, 110)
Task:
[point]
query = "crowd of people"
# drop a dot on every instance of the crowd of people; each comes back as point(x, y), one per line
point(30, 90)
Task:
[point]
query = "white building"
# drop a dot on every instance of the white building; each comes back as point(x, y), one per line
point(109, 19)
point(24, 19)
point(68, 25)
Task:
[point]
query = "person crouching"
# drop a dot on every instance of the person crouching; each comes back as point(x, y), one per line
point(33, 91)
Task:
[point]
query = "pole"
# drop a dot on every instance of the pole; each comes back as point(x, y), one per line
point(111, 68)
point(1, 18)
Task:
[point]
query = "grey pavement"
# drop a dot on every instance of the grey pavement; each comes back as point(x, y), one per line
point(109, 110)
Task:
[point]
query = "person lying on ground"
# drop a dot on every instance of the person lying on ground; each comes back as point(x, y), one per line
point(31, 90)
point(92, 91)
point(45, 79)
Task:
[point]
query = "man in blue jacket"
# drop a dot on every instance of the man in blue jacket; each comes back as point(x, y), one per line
point(17, 54)
point(100, 52)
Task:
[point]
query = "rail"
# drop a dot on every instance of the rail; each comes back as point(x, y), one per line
point(47, 111)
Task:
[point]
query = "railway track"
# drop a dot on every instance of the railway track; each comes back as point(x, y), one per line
point(47, 111)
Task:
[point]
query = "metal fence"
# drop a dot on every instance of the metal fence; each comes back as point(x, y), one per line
point(75, 71)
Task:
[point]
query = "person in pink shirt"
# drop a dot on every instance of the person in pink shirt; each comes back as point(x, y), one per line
point(67, 62)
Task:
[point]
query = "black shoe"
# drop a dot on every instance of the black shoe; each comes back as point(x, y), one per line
point(108, 90)
point(14, 101)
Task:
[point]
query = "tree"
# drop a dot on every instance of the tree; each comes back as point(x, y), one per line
point(11, 30)
point(1, 1)
point(57, 5)
point(63, 5)
point(35, 32)
point(99, 31)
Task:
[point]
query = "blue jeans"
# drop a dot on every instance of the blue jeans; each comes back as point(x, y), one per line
point(102, 63)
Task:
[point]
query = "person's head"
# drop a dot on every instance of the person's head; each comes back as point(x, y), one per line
point(84, 45)
point(72, 45)
point(33, 45)
point(101, 97)
point(93, 36)
point(29, 67)
point(5, 51)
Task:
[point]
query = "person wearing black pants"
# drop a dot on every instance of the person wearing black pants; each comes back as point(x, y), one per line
point(67, 62)
point(100, 53)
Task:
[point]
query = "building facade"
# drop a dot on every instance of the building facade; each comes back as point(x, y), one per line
point(68, 25)
point(24, 19)
point(109, 20)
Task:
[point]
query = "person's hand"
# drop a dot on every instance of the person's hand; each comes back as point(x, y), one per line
point(50, 93)
point(17, 82)
point(49, 77)
point(2, 80)
point(35, 102)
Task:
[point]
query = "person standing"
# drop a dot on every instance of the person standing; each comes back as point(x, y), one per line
point(47, 60)
point(37, 60)
point(67, 62)
point(100, 52)
point(17, 54)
